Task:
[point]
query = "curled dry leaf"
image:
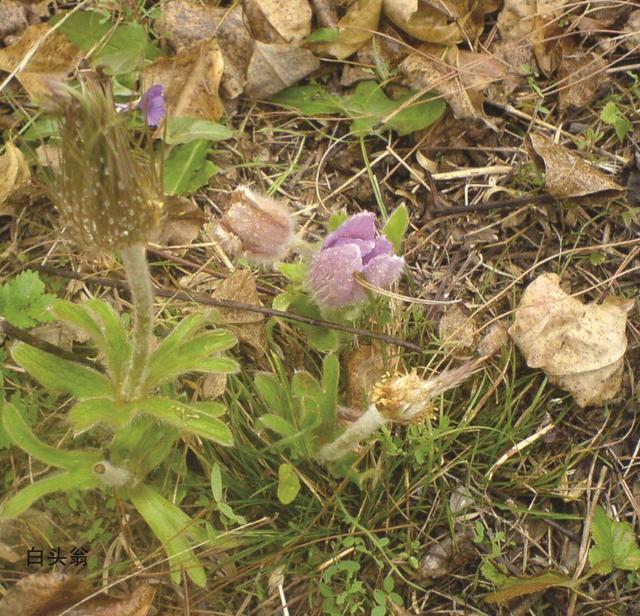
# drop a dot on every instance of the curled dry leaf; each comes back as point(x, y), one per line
point(240, 286)
point(632, 32)
point(365, 367)
point(274, 67)
point(181, 224)
point(582, 75)
point(184, 23)
point(14, 176)
point(580, 347)
point(424, 21)
point(567, 175)
point(40, 56)
point(279, 21)
point(355, 29)
point(49, 594)
point(459, 76)
point(191, 80)
point(445, 556)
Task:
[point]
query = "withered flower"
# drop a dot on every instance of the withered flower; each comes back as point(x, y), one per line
point(106, 186)
point(256, 225)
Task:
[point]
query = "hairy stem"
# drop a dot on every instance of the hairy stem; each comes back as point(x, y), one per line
point(360, 429)
point(135, 263)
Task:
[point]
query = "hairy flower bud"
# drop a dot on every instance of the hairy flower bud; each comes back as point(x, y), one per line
point(106, 188)
point(259, 226)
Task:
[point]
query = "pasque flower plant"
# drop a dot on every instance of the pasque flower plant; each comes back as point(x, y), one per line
point(107, 191)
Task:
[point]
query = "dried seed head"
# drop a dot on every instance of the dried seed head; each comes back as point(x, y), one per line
point(106, 188)
point(403, 399)
point(260, 226)
point(409, 399)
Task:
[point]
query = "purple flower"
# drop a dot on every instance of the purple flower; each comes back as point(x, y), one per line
point(355, 246)
point(152, 105)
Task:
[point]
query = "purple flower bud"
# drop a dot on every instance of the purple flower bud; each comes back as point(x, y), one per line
point(152, 105)
point(354, 247)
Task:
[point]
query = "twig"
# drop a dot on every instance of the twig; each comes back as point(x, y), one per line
point(225, 303)
point(542, 199)
point(20, 334)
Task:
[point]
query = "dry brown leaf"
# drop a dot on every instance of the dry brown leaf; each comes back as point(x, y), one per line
point(632, 32)
point(279, 21)
point(51, 56)
point(43, 594)
point(240, 286)
point(214, 384)
point(19, 534)
point(48, 594)
point(182, 223)
point(422, 21)
point(14, 176)
point(365, 367)
point(191, 80)
point(582, 75)
point(458, 332)
point(567, 175)
point(184, 23)
point(355, 29)
point(460, 77)
point(275, 67)
point(13, 17)
point(580, 347)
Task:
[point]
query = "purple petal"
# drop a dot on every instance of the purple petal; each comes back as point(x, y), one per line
point(382, 271)
point(359, 227)
point(152, 105)
point(331, 276)
point(382, 247)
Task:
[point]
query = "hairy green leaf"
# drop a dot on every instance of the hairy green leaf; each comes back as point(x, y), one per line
point(288, 484)
point(60, 375)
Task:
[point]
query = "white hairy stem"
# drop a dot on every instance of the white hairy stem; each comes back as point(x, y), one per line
point(360, 429)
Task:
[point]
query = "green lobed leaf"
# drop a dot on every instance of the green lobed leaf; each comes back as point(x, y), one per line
point(288, 484)
point(23, 301)
point(170, 525)
point(21, 435)
point(615, 546)
point(78, 479)
point(186, 130)
point(60, 375)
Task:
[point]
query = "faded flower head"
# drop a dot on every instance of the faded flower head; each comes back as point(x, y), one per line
point(106, 187)
point(354, 247)
point(258, 226)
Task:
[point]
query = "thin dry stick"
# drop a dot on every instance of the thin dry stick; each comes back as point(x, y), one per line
point(24, 336)
point(542, 199)
point(224, 303)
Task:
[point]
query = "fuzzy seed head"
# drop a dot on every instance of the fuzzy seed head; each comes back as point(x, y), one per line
point(106, 187)
point(404, 399)
point(261, 227)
